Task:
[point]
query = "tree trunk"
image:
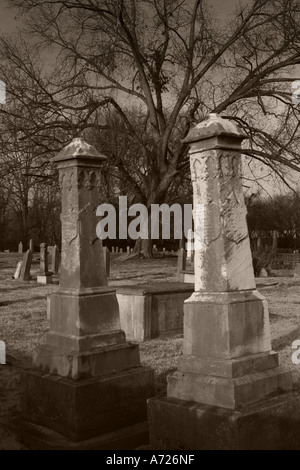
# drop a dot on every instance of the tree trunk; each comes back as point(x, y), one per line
point(147, 246)
point(144, 248)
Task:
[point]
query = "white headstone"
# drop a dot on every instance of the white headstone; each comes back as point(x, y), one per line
point(18, 270)
point(2, 353)
point(189, 244)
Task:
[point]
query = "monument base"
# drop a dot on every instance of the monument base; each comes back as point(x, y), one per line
point(47, 279)
point(86, 409)
point(151, 310)
point(39, 438)
point(273, 424)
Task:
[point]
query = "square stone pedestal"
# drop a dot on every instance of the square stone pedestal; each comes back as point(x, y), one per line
point(151, 310)
point(45, 279)
point(107, 412)
point(273, 424)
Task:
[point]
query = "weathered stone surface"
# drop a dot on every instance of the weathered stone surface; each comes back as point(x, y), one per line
point(226, 325)
point(44, 279)
point(151, 310)
point(55, 260)
point(37, 438)
point(44, 259)
point(84, 409)
point(18, 270)
point(227, 355)
point(273, 424)
point(223, 260)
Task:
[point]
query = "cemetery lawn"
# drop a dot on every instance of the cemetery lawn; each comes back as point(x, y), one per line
point(24, 325)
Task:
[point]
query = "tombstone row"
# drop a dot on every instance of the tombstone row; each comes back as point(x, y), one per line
point(45, 276)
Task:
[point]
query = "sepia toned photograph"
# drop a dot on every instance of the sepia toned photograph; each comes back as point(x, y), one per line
point(149, 227)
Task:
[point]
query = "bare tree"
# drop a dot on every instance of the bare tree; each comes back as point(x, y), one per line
point(172, 62)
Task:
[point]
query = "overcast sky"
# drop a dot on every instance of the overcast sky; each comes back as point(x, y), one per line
point(8, 22)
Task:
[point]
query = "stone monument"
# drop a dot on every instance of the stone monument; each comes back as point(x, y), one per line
point(45, 276)
point(26, 265)
point(189, 245)
point(55, 260)
point(18, 270)
point(87, 383)
point(229, 391)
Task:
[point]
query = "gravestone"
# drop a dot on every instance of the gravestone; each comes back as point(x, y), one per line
point(121, 250)
point(55, 260)
point(20, 248)
point(45, 276)
point(297, 270)
point(18, 270)
point(107, 261)
point(48, 307)
point(263, 273)
point(26, 265)
point(229, 391)
point(31, 245)
point(189, 245)
point(88, 388)
point(113, 249)
point(181, 263)
point(2, 353)
point(128, 249)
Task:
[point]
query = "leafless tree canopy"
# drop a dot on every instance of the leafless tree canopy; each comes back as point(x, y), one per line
point(143, 72)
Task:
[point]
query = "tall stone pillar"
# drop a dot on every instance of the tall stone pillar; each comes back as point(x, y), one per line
point(189, 245)
point(44, 276)
point(87, 382)
point(220, 397)
point(55, 260)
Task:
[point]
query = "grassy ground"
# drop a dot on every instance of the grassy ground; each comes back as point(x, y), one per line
point(23, 323)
